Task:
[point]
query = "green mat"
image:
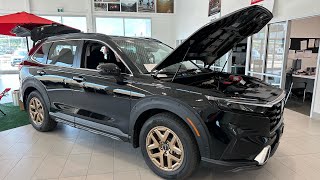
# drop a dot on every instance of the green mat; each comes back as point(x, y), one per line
point(14, 118)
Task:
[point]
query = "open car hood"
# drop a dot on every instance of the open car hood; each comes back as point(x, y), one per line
point(218, 37)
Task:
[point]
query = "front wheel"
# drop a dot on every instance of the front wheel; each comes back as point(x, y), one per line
point(38, 113)
point(169, 147)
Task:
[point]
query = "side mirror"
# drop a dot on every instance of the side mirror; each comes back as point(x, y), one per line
point(110, 69)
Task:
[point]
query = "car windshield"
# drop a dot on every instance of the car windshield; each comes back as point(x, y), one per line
point(146, 54)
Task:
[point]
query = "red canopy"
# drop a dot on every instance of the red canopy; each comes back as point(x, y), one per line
point(23, 19)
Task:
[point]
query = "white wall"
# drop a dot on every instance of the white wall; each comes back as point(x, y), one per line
point(306, 28)
point(12, 6)
point(162, 24)
point(293, 9)
point(190, 16)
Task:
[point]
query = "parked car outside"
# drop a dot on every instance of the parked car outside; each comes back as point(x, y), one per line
point(18, 56)
point(141, 91)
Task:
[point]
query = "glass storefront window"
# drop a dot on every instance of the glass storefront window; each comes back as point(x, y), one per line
point(257, 51)
point(75, 22)
point(256, 76)
point(12, 51)
point(137, 27)
point(131, 27)
point(275, 81)
point(275, 51)
point(110, 26)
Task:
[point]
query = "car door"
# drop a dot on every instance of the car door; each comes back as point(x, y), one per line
point(57, 75)
point(103, 102)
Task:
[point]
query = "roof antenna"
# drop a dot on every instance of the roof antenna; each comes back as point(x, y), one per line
point(175, 75)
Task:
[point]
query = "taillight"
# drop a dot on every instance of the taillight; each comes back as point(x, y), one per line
point(20, 66)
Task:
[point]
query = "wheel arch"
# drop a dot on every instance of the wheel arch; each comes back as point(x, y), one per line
point(30, 85)
point(148, 107)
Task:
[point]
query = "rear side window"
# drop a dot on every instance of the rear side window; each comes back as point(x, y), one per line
point(63, 53)
point(41, 53)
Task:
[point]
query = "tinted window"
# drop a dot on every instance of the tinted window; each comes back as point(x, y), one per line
point(41, 53)
point(63, 53)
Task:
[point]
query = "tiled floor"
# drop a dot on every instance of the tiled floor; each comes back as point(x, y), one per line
point(73, 154)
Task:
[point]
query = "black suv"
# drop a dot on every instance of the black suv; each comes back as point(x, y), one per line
point(139, 90)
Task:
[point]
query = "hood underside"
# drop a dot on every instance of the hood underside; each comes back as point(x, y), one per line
point(218, 37)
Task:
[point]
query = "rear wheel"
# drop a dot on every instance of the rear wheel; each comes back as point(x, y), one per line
point(38, 113)
point(169, 147)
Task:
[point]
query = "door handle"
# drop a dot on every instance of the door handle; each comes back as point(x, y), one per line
point(41, 72)
point(78, 78)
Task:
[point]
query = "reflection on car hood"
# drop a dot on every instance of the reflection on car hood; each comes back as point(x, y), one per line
point(218, 37)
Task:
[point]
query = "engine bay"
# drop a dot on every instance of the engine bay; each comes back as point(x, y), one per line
point(232, 84)
point(235, 86)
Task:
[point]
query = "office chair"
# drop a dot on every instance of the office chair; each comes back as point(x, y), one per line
point(294, 92)
point(4, 93)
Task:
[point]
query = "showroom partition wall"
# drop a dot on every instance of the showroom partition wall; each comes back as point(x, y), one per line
point(269, 48)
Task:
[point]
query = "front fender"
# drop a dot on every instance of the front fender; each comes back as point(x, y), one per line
point(179, 108)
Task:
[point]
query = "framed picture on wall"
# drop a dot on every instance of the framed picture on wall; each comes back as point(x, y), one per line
point(214, 7)
point(106, 1)
point(115, 7)
point(129, 6)
point(165, 6)
point(101, 6)
point(146, 6)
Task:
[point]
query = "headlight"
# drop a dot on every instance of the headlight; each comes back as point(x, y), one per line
point(228, 105)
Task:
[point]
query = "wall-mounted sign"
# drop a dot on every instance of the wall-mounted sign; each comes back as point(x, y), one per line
point(214, 7)
point(146, 6)
point(165, 6)
point(128, 6)
point(269, 4)
point(255, 1)
point(141, 6)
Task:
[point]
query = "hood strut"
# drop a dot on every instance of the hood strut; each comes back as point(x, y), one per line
point(180, 64)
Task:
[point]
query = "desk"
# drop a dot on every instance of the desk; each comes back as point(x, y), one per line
point(313, 77)
point(309, 79)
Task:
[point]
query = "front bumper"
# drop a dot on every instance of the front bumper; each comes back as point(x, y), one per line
point(259, 159)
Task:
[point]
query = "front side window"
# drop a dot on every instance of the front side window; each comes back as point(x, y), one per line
point(95, 53)
point(63, 53)
point(39, 56)
point(145, 54)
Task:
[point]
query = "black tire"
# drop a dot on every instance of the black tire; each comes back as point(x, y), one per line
point(48, 124)
point(191, 153)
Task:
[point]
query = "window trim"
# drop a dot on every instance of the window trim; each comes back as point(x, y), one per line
point(45, 55)
point(116, 54)
point(87, 39)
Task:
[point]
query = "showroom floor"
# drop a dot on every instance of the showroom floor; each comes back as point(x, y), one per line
point(69, 153)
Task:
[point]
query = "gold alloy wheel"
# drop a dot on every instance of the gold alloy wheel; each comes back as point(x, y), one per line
point(36, 111)
point(164, 148)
